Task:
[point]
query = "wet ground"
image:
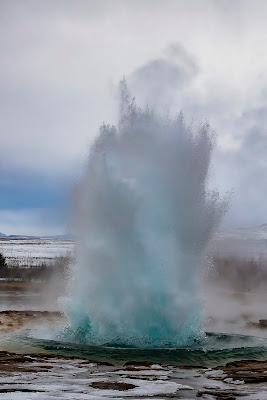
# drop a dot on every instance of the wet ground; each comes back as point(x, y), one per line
point(53, 377)
point(44, 375)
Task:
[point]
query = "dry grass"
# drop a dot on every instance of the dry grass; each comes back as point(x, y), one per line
point(233, 272)
point(44, 272)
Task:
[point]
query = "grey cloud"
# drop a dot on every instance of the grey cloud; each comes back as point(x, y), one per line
point(245, 170)
point(58, 56)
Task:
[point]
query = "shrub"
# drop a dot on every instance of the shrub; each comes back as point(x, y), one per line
point(2, 261)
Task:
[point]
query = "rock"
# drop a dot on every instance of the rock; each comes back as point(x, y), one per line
point(136, 364)
point(246, 371)
point(112, 385)
point(220, 394)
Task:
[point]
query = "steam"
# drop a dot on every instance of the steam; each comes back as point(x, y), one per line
point(144, 219)
point(165, 79)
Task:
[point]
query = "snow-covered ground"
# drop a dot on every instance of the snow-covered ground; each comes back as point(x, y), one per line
point(56, 378)
point(247, 243)
point(29, 252)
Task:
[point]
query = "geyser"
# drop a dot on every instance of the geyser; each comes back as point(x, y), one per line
point(144, 219)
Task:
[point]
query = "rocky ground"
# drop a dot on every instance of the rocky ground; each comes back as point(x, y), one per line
point(11, 321)
point(44, 377)
point(48, 376)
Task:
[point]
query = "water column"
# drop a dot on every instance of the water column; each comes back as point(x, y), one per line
point(144, 217)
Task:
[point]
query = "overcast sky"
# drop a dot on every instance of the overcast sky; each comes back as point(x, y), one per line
point(61, 61)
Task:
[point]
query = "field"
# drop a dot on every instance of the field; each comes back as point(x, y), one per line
point(34, 252)
point(32, 291)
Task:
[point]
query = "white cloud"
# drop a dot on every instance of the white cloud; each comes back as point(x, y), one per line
point(58, 59)
point(60, 62)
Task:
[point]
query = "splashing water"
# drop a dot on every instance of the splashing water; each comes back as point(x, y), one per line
point(144, 221)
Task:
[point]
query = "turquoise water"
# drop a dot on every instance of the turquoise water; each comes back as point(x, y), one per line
point(218, 349)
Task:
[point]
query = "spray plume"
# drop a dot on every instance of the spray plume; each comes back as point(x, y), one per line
point(144, 219)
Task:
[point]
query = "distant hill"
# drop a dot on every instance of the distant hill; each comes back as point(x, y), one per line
point(67, 236)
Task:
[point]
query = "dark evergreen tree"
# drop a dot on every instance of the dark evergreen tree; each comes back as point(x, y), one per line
point(2, 261)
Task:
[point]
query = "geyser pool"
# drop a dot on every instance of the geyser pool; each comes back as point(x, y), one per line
point(144, 218)
point(217, 349)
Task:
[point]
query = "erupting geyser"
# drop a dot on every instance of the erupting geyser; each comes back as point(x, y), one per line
point(144, 220)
